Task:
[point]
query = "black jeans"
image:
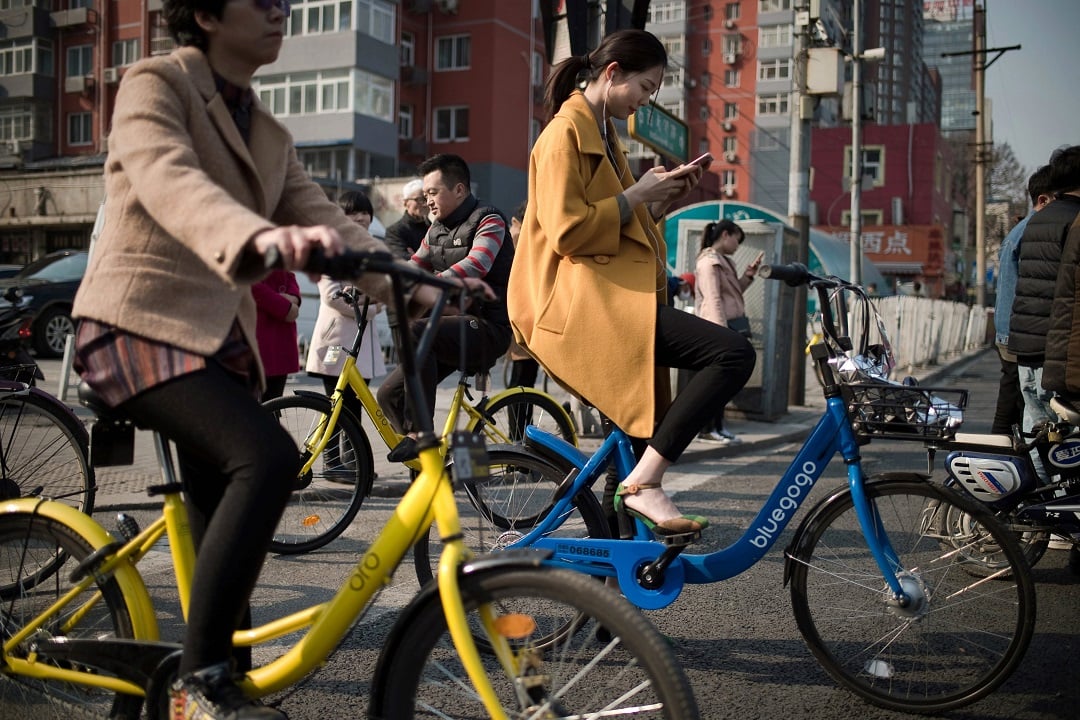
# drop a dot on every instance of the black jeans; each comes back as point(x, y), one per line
point(238, 466)
point(1010, 401)
point(485, 343)
point(723, 360)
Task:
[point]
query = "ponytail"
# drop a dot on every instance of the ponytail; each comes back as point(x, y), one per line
point(562, 81)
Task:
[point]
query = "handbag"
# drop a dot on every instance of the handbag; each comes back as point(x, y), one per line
point(741, 325)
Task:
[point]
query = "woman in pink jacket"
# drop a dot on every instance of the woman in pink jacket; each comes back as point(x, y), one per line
point(718, 295)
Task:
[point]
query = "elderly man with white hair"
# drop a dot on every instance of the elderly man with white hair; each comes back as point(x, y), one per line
point(404, 237)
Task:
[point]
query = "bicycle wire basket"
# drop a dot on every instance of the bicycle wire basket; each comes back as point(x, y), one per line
point(904, 412)
point(23, 373)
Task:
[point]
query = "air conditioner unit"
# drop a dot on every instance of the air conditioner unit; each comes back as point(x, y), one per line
point(110, 75)
point(728, 125)
point(729, 191)
point(729, 24)
point(730, 156)
point(730, 58)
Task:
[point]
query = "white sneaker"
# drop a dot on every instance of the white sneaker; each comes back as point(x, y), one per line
point(713, 436)
point(1057, 543)
point(729, 436)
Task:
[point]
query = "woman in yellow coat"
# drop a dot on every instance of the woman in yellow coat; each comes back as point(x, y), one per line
point(587, 293)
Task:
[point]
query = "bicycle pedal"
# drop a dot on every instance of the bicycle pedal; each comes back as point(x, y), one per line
point(680, 540)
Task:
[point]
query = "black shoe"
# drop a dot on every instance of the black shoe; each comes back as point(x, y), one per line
point(212, 694)
point(404, 451)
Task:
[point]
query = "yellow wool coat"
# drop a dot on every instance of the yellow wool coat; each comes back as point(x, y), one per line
point(584, 288)
point(184, 196)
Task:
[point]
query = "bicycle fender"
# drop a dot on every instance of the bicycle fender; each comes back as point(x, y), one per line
point(84, 436)
point(136, 596)
point(794, 548)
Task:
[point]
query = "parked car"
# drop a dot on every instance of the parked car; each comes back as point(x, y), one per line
point(48, 286)
point(9, 270)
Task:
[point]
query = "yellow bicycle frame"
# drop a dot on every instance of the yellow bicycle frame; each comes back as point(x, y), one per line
point(429, 497)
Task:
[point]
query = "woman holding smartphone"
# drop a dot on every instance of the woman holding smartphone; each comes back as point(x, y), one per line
point(587, 292)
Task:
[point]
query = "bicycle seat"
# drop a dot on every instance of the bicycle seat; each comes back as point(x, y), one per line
point(1068, 409)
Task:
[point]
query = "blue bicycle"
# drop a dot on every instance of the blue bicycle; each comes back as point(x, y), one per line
point(888, 575)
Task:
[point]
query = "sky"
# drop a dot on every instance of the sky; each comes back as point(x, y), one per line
point(1036, 99)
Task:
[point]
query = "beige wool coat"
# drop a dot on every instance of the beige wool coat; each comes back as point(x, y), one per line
point(584, 288)
point(184, 196)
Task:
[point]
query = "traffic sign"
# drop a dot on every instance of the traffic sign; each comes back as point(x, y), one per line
point(662, 131)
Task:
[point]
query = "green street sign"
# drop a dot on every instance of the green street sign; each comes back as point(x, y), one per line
point(662, 131)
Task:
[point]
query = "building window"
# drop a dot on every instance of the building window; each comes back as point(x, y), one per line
point(731, 144)
point(765, 6)
point(727, 179)
point(703, 146)
point(706, 46)
point(775, 36)
point(537, 68)
point(703, 112)
point(706, 15)
point(706, 79)
point(774, 69)
point(408, 49)
point(125, 52)
point(376, 18)
point(667, 11)
point(80, 61)
point(677, 108)
point(731, 78)
point(731, 11)
point(405, 121)
point(453, 52)
point(732, 44)
point(773, 104)
point(873, 163)
point(731, 111)
point(16, 122)
point(328, 91)
point(161, 42)
point(451, 124)
point(26, 55)
point(673, 77)
point(674, 44)
point(80, 128)
point(72, 4)
point(326, 162)
point(869, 218)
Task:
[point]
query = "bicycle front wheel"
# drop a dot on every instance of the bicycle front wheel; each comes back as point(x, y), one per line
point(328, 495)
point(611, 663)
point(957, 639)
point(43, 451)
point(29, 548)
point(500, 509)
point(507, 414)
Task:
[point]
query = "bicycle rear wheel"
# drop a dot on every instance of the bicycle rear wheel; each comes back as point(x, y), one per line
point(499, 510)
point(28, 545)
point(507, 414)
point(958, 639)
point(611, 662)
point(328, 496)
point(43, 451)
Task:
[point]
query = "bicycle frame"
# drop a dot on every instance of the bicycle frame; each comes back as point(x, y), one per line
point(621, 558)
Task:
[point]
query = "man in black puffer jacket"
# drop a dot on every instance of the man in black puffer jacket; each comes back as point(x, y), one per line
point(1040, 261)
point(1061, 371)
point(465, 240)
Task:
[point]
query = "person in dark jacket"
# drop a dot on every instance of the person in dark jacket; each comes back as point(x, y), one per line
point(1040, 259)
point(1061, 369)
point(466, 240)
point(404, 237)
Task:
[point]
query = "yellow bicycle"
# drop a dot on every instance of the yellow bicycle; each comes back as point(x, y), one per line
point(338, 462)
point(500, 636)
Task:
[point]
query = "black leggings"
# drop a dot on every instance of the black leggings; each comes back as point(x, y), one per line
point(238, 466)
point(723, 360)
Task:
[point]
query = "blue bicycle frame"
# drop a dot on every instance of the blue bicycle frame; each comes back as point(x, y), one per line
point(622, 558)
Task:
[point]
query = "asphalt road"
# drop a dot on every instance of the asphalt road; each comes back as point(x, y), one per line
point(737, 640)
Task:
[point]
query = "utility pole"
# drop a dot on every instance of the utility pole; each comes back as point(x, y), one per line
point(799, 197)
point(982, 154)
point(855, 221)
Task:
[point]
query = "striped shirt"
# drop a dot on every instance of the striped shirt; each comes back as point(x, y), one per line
point(119, 365)
point(486, 243)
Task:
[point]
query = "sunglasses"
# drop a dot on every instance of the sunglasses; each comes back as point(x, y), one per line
point(266, 5)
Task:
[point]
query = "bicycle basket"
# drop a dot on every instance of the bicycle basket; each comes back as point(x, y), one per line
point(25, 373)
point(904, 412)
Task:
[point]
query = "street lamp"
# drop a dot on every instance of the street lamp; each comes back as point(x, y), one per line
point(857, 56)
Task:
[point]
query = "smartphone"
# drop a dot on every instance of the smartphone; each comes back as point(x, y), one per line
point(703, 160)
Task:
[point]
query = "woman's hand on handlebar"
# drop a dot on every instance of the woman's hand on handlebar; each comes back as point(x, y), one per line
point(291, 245)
